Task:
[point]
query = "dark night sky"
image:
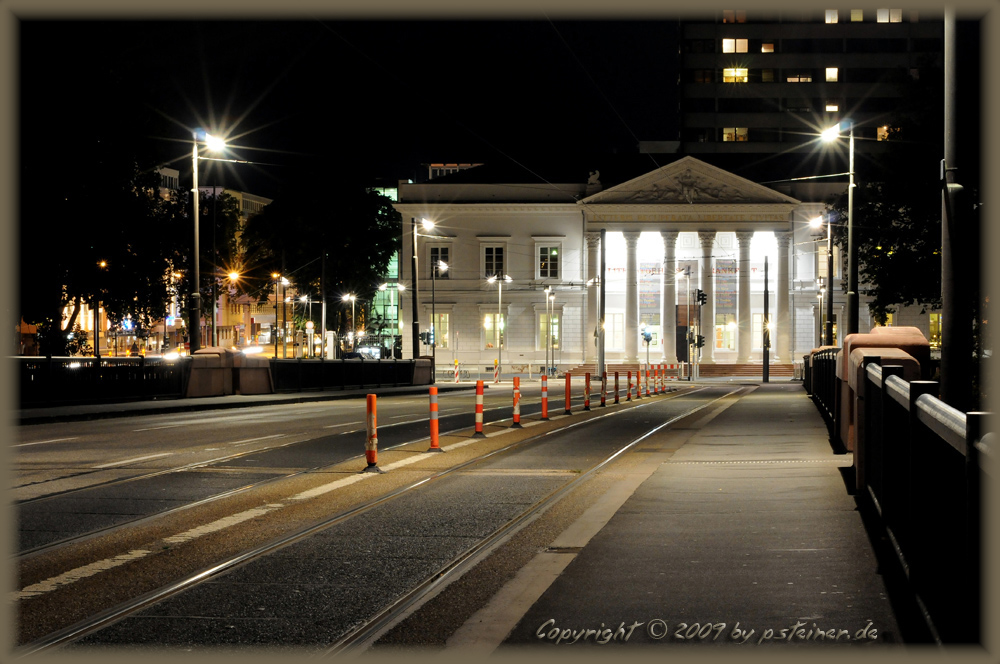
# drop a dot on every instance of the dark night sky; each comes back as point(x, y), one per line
point(380, 97)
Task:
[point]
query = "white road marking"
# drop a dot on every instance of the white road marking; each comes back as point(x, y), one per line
point(343, 424)
point(165, 426)
point(253, 440)
point(231, 520)
point(75, 575)
point(127, 461)
point(42, 442)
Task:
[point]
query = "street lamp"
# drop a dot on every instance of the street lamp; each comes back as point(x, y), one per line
point(212, 143)
point(428, 225)
point(819, 328)
point(352, 298)
point(686, 272)
point(440, 267)
point(499, 280)
point(277, 278)
point(816, 222)
point(552, 346)
point(828, 135)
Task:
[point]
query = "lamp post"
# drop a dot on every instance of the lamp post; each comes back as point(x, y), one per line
point(819, 328)
point(276, 277)
point(428, 225)
point(211, 143)
point(816, 222)
point(552, 345)
point(499, 280)
point(440, 267)
point(352, 298)
point(548, 326)
point(686, 272)
point(852, 258)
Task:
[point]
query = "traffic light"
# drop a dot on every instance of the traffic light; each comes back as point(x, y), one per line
point(648, 336)
point(702, 298)
point(699, 341)
point(425, 337)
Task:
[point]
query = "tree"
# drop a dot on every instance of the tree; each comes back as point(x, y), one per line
point(324, 223)
point(897, 203)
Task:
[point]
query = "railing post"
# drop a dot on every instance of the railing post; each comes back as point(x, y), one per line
point(866, 405)
point(919, 487)
point(893, 427)
point(974, 425)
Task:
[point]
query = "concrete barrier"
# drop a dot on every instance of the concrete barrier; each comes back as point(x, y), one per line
point(252, 375)
point(211, 373)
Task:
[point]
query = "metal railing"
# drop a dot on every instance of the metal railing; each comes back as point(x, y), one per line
point(51, 381)
point(824, 386)
point(921, 465)
point(306, 375)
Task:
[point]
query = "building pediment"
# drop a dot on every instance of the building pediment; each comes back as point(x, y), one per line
point(688, 181)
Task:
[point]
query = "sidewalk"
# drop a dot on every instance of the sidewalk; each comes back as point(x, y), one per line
point(746, 530)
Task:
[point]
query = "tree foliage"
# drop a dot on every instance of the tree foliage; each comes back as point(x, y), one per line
point(324, 223)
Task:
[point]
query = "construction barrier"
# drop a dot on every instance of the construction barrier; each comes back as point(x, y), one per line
point(616, 388)
point(496, 371)
point(586, 391)
point(545, 397)
point(517, 403)
point(569, 410)
point(456, 371)
point(371, 440)
point(434, 421)
point(479, 411)
point(604, 389)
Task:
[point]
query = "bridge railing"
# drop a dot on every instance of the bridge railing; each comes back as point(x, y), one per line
point(923, 465)
point(49, 381)
point(304, 375)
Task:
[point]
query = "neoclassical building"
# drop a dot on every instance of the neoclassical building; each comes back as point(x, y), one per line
point(679, 228)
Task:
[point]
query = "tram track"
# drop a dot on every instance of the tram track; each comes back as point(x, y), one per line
point(455, 567)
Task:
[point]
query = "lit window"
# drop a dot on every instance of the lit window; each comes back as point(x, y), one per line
point(882, 15)
point(735, 75)
point(734, 16)
point(543, 331)
point(494, 331)
point(548, 262)
point(734, 45)
point(767, 47)
point(441, 331)
point(831, 15)
point(857, 15)
point(832, 108)
point(734, 134)
point(767, 75)
point(702, 76)
point(439, 255)
point(935, 330)
point(895, 16)
point(831, 74)
point(882, 133)
point(799, 77)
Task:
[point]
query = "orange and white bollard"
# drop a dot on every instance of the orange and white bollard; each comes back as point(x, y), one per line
point(517, 403)
point(371, 439)
point(586, 391)
point(434, 421)
point(569, 410)
point(647, 381)
point(496, 371)
point(628, 387)
point(456, 371)
point(656, 379)
point(616, 388)
point(479, 411)
point(545, 397)
point(604, 389)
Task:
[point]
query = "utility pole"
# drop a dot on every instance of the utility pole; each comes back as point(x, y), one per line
point(765, 332)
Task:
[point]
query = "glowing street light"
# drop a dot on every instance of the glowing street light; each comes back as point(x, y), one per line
point(212, 143)
point(440, 267)
point(817, 222)
point(352, 298)
point(499, 280)
point(828, 135)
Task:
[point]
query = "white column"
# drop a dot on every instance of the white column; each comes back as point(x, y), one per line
point(782, 351)
point(744, 338)
point(593, 267)
point(631, 298)
point(668, 298)
point(707, 239)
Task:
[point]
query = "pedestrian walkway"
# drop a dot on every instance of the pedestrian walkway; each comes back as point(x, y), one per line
point(747, 534)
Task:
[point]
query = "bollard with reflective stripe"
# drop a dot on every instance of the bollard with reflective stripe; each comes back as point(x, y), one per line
point(628, 387)
point(496, 371)
point(586, 391)
point(517, 403)
point(479, 411)
point(371, 439)
point(545, 397)
point(456, 371)
point(604, 389)
point(657, 384)
point(434, 421)
point(569, 410)
point(647, 381)
point(616, 388)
